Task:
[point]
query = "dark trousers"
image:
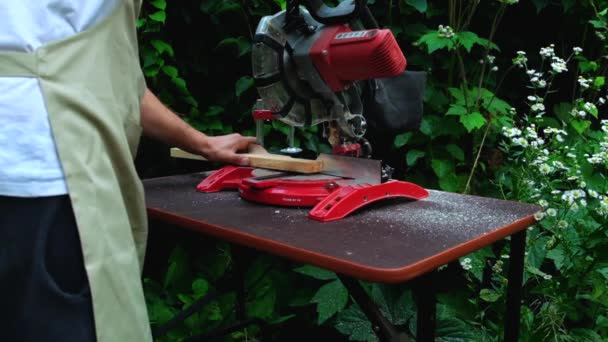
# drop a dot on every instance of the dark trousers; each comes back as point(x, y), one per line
point(44, 291)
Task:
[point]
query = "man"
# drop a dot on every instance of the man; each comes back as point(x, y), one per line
point(73, 103)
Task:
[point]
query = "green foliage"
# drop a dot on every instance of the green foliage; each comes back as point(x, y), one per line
point(195, 56)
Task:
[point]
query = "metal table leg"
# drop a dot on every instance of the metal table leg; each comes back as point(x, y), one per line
point(383, 328)
point(514, 287)
point(424, 291)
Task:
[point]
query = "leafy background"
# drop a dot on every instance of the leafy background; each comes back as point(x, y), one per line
point(196, 57)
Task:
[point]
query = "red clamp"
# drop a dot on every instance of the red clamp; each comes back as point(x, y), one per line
point(228, 177)
point(346, 200)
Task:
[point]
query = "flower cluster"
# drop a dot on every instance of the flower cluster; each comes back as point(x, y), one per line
point(445, 31)
point(521, 59)
point(466, 263)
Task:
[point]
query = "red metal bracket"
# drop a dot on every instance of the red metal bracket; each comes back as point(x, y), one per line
point(228, 177)
point(346, 200)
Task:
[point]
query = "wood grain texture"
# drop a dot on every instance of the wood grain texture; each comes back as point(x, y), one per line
point(259, 157)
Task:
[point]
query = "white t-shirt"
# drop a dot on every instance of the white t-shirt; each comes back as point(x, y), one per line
point(29, 165)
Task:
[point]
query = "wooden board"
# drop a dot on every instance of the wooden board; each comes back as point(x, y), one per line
point(259, 157)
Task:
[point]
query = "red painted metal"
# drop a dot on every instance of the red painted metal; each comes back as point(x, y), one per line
point(347, 199)
point(343, 56)
point(351, 150)
point(263, 114)
point(228, 177)
point(332, 198)
point(285, 192)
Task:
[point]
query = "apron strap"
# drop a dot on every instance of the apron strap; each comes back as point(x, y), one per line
point(18, 64)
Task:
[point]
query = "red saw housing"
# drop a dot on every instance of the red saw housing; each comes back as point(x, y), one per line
point(342, 56)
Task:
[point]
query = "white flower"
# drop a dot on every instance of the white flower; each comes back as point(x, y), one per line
point(541, 84)
point(562, 224)
point(551, 212)
point(577, 50)
point(559, 65)
point(539, 216)
point(491, 59)
point(537, 107)
point(583, 184)
point(532, 98)
point(555, 192)
point(520, 142)
point(584, 83)
point(601, 100)
point(593, 193)
point(548, 51)
point(511, 132)
point(445, 31)
point(494, 68)
point(521, 59)
point(583, 202)
point(559, 138)
point(589, 107)
point(543, 203)
point(547, 277)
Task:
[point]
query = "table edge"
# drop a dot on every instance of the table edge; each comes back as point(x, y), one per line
point(344, 267)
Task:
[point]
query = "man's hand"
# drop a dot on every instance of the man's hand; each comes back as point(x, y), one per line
point(224, 148)
point(161, 123)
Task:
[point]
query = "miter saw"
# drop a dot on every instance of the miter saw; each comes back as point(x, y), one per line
point(328, 66)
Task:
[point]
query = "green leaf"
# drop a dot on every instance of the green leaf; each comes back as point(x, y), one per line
point(489, 295)
point(494, 105)
point(603, 272)
point(200, 287)
point(558, 257)
point(452, 182)
point(434, 42)
point(588, 66)
point(214, 111)
point(316, 272)
point(402, 139)
point(599, 82)
point(160, 4)
point(485, 43)
point(580, 125)
point(540, 4)
point(562, 111)
point(442, 167)
point(178, 269)
point(242, 44)
point(162, 47)
point(413, 156)
point(159, 16)
point(353, 323)
point(598, 24)
point(568, 4)
point(170, 71)
point(467, 39)
point(419, 5)
point(456, 109)
point(243, 84)
point(263, 306)
point(395, 304)
point(331, 299)
point(458, 95)
point(473, 121)
point(455, 152)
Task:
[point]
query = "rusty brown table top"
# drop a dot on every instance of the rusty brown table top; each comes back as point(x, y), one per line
point(389, 242)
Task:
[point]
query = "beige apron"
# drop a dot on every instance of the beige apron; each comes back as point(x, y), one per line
point(92, 85)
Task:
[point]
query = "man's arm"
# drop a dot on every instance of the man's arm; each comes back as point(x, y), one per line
point(159, 122)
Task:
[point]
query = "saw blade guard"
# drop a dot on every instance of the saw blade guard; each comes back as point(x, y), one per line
point(282, 87)
point(312, 72)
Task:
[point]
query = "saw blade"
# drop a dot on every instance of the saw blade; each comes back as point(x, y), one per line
point(360, 170)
